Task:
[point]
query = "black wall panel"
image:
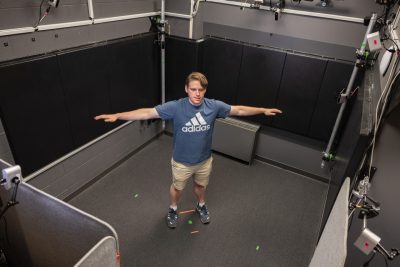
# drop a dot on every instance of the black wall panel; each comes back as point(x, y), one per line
point(301, 82)
point(182, 58)
point(221, 61)
point(259, 79)
point(151, 72)
point(336, 78)
point(85, 80)
point(48, 104)
point(34, 112)
point(134, 78)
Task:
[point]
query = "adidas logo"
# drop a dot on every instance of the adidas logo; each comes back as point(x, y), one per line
point(196, 124)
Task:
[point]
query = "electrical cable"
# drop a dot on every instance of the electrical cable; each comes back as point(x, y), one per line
point(366, 264)
point(390, 50)
point(384, 95)
point(196, 7)
point(12, 201)
point(384, 256)
point(7, 239)
point(40, 14)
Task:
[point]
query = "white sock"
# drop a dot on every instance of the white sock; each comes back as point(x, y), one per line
point(201, 204)
point(175, 208)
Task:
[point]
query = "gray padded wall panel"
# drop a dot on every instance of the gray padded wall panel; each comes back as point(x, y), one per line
point(290, 150)
point(48, 232)
point(354, 8)
point(178, 27)
point(17, 14)
point(332, 246)
point(323, 30)
point(45, 41)
point(278, 40)
point(110, 8)
point(64, 179)
point(178, 6)
point(101, 255)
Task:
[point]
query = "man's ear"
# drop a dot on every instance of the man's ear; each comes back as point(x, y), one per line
point(186, 89)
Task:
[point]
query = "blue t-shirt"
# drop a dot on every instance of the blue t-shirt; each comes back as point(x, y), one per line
point(193, 127)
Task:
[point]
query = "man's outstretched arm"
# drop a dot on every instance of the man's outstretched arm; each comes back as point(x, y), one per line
point(134, 115)
point(250, 111)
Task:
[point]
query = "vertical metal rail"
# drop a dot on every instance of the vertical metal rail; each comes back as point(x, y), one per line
point(327, 156)
point(191, 19)
point(90, 9)
point(162, 45)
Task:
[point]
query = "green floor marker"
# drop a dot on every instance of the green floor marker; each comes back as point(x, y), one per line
point(258, 248)
point(190, 222)
point(136, 195)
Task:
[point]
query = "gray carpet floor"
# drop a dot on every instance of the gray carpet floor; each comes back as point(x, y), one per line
point(261, 215)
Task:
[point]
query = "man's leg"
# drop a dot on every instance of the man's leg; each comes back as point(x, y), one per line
point(200, 192)
point(180, 175)
point(201, 179)
point(174, 195)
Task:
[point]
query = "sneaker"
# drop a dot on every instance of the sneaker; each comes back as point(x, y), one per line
point(172, 218)
point(203, 213)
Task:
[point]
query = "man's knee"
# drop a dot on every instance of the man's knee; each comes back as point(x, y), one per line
point(200, 184)
point(178, 185)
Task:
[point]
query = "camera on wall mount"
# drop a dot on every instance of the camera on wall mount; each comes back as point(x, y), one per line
point(256, 4)
point(277, 8)
point(53, 3)
point(324, 3)
point(368, 241)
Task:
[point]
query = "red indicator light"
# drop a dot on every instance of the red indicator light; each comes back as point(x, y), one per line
point(366, 244)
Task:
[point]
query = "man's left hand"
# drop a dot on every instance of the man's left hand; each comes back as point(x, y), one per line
point(272, 111)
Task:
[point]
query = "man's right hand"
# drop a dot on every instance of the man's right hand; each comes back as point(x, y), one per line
point(107, 117)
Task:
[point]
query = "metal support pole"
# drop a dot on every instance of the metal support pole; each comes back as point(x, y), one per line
point(327, 153)
point(162, 45)
point(191, 19)
point(90, 9)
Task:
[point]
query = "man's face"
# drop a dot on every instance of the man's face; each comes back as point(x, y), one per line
point(195, 92)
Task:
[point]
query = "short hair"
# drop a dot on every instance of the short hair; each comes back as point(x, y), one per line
point(197, 76)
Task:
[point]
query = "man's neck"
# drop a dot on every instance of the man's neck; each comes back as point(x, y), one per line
point(195, 104)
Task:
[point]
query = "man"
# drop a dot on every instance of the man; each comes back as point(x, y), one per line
point(193, 118)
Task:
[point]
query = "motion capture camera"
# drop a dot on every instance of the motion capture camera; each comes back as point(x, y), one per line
point(277, 8)
point(367, 241)
point(10, 175)
point(53, 3)
point(324, 3)
point(257, 4)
